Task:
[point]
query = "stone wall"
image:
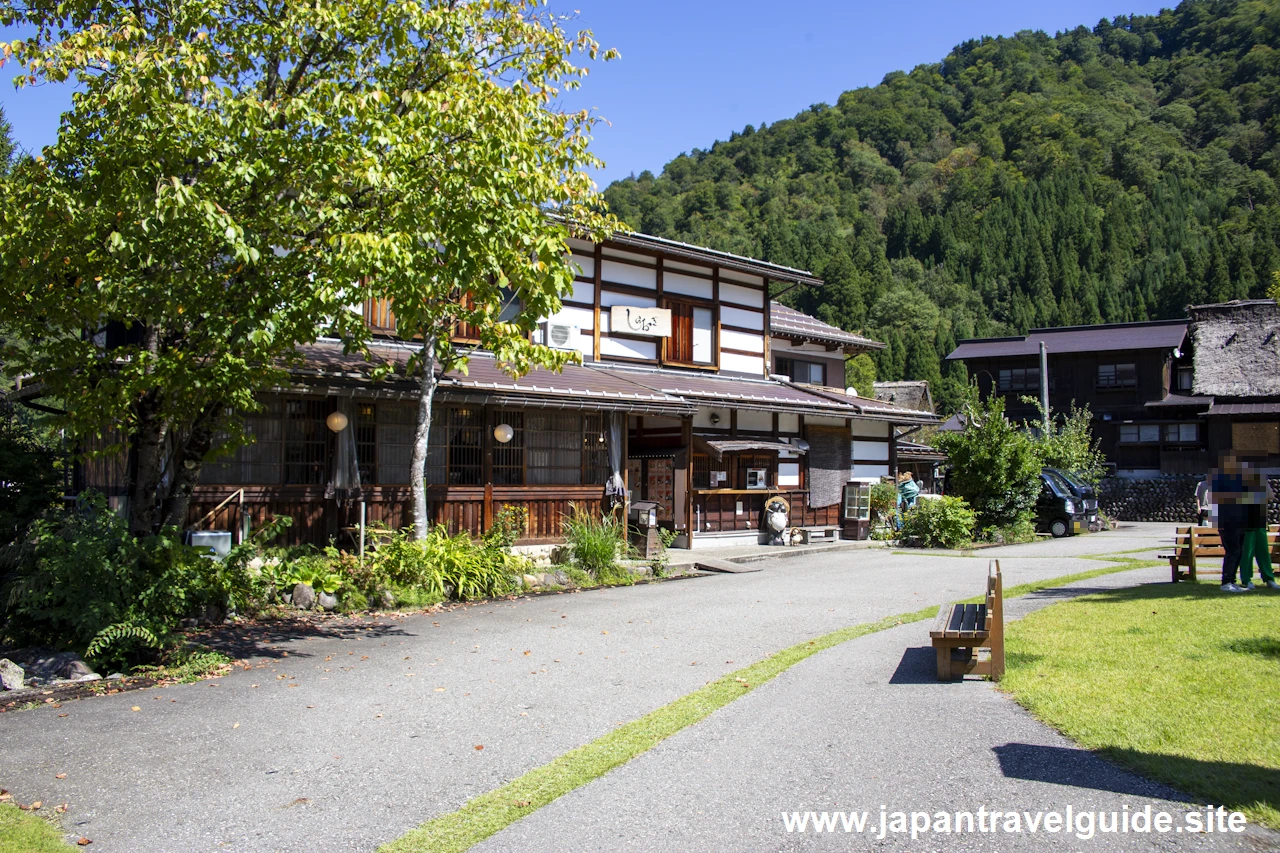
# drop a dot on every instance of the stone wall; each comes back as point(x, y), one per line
point(1161, 499)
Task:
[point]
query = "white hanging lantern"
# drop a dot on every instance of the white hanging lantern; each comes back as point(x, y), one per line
point(336, 421)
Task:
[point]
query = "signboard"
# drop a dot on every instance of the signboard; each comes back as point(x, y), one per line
point(632, 320)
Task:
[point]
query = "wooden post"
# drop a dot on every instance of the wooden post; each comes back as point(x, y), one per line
point(768, 320)
point(1191, 554)
point(595, 344)
point(686, 438)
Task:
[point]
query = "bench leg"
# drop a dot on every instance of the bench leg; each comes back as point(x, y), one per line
point(1173, 566)
point(944, 662)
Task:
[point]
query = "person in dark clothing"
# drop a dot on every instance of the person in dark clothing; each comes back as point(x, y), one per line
point(1228, 492)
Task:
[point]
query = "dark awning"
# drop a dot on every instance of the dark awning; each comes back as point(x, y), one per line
point(717, 447)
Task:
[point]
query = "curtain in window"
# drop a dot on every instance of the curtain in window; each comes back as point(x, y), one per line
point(614, 491)
point(344, 472)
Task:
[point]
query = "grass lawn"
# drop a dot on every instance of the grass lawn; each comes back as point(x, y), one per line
point(21, 832)
point(1180, 682)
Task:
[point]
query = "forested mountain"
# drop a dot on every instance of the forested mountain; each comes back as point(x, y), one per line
point(1100, 175)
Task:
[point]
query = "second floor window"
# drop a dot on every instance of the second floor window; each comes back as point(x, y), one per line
point(691, 334)
point(1185, 378)
point(1019, 379)
point(1117, 376)
point(812, 372)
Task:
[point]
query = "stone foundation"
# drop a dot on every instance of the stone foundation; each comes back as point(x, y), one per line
point(1161, 499)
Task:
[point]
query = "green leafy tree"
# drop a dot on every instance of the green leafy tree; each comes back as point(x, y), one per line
point(1273, 292)
point(994, 466)
point(6, 144)
point(860, 375)
point(1069, 444)
point(231, 179)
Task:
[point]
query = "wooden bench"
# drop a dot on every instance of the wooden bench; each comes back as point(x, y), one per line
point(1193, 543)
point(962, 629)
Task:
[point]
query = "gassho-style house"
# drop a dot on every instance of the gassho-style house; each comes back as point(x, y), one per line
point(697, 391)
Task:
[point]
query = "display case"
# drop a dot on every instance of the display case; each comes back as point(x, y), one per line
point(855, 515)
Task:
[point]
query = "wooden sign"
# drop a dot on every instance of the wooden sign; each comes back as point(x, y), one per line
point(632, 320)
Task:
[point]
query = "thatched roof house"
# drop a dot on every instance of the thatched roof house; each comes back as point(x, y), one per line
point(1237, 349)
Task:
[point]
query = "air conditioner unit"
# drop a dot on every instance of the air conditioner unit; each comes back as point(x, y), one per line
point(561, 335)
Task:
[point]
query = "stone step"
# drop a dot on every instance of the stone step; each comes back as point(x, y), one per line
point(711, 564)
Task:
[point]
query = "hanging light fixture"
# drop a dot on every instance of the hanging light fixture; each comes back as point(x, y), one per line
point(336, 421)
point(503, 433)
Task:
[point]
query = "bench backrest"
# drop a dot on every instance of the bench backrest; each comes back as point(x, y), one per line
point(1203, 541)
point(995, 595)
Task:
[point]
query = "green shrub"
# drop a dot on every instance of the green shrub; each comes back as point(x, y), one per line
point(79, 580)
point(884, 500)
point(422, 573)
point(1069, 444)
point(994, 466)
point(30, 477)
point(939, 523)
point(596, 542)
point(509, 524)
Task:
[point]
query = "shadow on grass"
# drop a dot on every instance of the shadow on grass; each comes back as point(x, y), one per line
point(1267, 647)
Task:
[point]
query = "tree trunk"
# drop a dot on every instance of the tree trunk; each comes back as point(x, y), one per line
point(188, 462)
point(417, 474)
point(148, 450)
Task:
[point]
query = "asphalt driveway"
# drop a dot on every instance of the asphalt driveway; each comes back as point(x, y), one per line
point(344, 743)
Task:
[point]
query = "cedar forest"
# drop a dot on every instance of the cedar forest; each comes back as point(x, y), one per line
point(1103, 175)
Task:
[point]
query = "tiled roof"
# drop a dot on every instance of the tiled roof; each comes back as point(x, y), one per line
point(602, 385)
point(788, 322)
point(1272, 408)
point(730, 445)
point(1162, 334)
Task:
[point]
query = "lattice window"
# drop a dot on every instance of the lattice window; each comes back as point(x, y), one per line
point(366, 427)
point(595, 449)
point(701, 471)
point(305, 441)
point(258, 461)
point(396, 425)
point(554, 448)
point(508, 459)
point(455, 451)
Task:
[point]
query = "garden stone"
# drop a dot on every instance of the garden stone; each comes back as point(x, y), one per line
point(529, 581)
point(212, 615)
point(92, 676)
point(560, 578)
point(11, 675)
point(55, 666)
point(546, 579)
point(304, 597)
point(388, 600)
point(115, 676)
point(561, 554)
point(328, 601)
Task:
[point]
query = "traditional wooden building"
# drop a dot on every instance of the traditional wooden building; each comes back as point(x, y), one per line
point(1236, 385)
point(1132, 376)
point(696, 391)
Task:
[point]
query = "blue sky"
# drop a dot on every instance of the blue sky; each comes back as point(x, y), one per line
point(691, 72)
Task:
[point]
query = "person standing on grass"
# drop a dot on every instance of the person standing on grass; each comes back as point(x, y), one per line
point(1228, 492)
point(1255, 546)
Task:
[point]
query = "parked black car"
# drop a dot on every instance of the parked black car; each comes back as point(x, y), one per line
point(1059, 510)
point(1088, 496)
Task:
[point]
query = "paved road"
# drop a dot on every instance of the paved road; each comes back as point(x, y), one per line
point(344, 743)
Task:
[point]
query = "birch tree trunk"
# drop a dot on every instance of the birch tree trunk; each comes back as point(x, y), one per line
point(417, 473)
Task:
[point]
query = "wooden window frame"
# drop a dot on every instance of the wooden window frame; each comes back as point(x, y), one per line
point(693, 303)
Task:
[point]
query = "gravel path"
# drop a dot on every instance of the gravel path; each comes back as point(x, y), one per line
point(341, 744)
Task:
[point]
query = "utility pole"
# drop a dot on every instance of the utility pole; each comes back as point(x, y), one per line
point(1044, 386)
